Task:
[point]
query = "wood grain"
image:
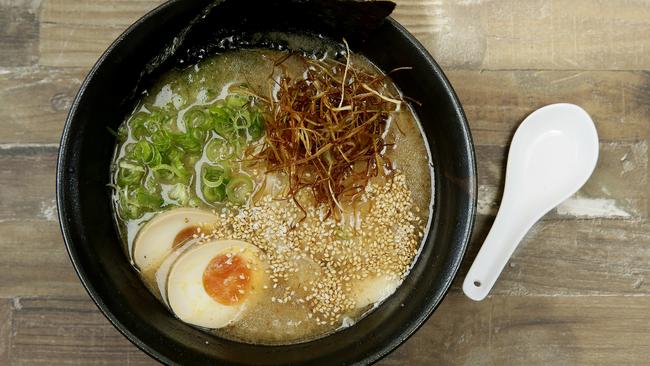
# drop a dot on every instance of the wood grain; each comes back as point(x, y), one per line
point(75, 33)
point(19, 31)
point(35, 102)
point(36, 261)
point(500, 34)
point(495, 101)
point(502, 331)
point(27, 181)
point(495, 332)
point(532, 34)
point(6, 321)
point(68, 331)
point(577, 291)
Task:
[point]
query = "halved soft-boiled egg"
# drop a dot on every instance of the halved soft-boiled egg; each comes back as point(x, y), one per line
point(167, 231)
point(374, 289)
point(162, 272)
point(211, 284)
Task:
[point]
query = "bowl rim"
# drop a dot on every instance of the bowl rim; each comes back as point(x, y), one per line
point(386, 349)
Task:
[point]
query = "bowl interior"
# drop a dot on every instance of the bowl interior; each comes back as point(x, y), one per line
point(107, 96)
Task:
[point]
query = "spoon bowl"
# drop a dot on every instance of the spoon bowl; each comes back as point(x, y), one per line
point(553, 153)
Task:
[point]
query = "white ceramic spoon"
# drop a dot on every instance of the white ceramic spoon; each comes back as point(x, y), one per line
point(553, 153)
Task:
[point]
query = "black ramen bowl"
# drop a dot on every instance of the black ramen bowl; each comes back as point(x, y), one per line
point(162, 39)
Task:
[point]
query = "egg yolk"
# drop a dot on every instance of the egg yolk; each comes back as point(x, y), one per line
point(227, 279)
point(185, 235)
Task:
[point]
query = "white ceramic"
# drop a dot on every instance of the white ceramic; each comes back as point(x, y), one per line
point(553, 153)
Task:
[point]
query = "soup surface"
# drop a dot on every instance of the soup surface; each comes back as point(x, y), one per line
point(269, 197)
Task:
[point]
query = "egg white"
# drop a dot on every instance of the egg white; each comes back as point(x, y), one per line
point(156, 238)
point(162, 273)
point(185, 292)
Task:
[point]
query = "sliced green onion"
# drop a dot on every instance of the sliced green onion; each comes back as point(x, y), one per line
point(236, 101)
point(122, 134)
point(218, 150)
point(225, 130)
point(174, 159)
point(198, 134)
point(239, 189)
point(219, 111)
point(162, 140)
point(214, 179)
point(152, 126)
point(172, 169)
point(161, 154)
point(137, 124)
point(241, 120)
point(129, 165)
point(214, 195)
point(180, 193)
point(181, 170)
point(147, 199)
point(160, 118)
point(196, 119)
point(145, 153)
point(213, 176)
point(188, 143)
point(256, 127)
point(151, 183)
point(194, 202)
point(174, 154)
point(211, 93)
point(190, 160)
point(165, 173)
point(238, 147)
point(127, 210)
point(133, 203)
point(221, 119)
point(129, 173)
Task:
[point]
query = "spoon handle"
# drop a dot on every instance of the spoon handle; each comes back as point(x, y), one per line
point(507, 231)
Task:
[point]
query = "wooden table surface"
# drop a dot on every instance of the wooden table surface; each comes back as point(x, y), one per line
point(577, 291)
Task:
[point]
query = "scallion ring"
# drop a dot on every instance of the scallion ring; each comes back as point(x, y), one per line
point(239, 189)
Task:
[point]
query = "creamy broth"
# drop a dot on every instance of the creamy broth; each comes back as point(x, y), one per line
point(319, 268)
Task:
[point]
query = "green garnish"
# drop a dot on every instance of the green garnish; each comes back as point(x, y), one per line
point(137, 124)
point(170, 169)
point(129, 173)
point(215, 194)
point(214, 180)
point(145, 153)
point(133, 203)
point(188, 142)
point(162, 140)
point(236, 101)
point(196, 118)
point(218, 150)
point(181, 194)
point(239, 189)
point(214, 176)
point(256, 127)
point(160, 152)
